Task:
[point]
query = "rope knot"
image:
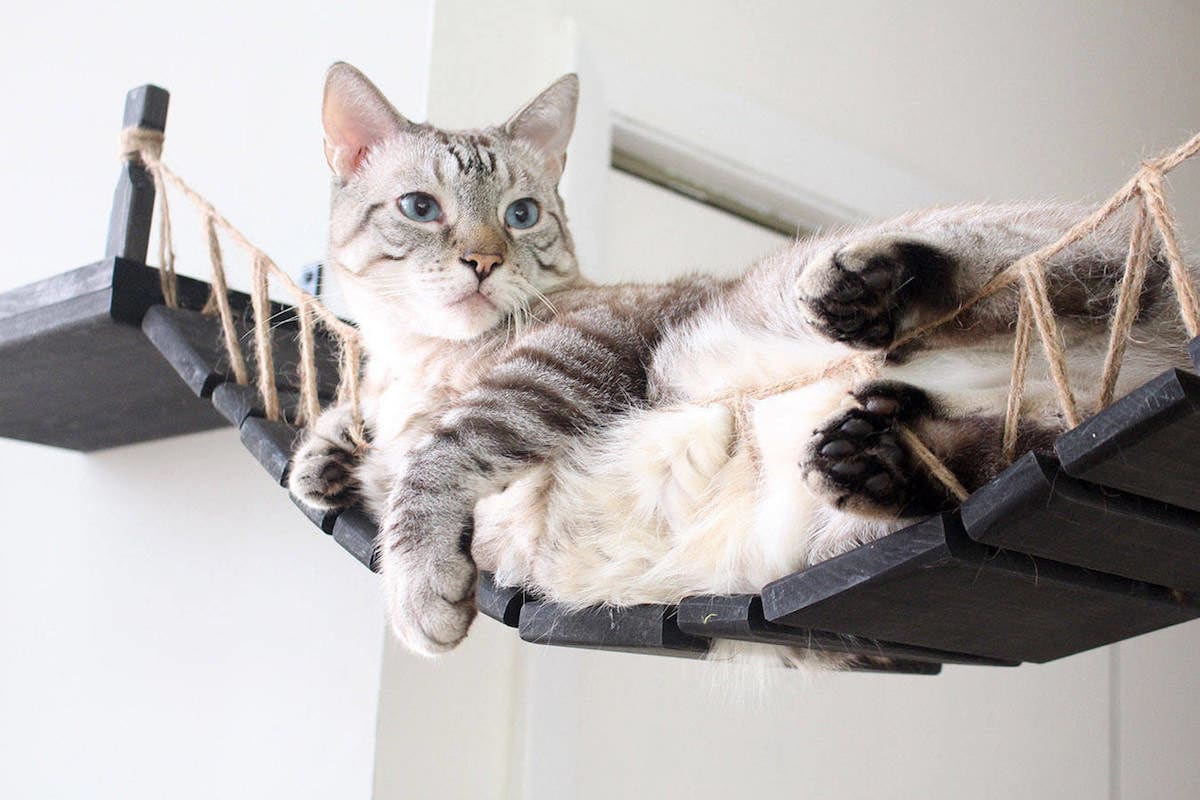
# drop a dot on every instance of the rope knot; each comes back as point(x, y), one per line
point(142, 144)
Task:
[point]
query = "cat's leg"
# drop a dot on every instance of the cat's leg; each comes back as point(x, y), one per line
point(859, 462)
point(871, 288)
point(564, 380)
point(323, 470)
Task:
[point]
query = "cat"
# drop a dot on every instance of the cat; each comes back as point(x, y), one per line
point(568, 436)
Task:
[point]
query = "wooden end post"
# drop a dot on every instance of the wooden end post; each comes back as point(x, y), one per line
point(133, 200)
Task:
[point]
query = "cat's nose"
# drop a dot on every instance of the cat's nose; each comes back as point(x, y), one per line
point(482, 263)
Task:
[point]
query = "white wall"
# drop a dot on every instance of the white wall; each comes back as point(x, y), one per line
point(172, 626)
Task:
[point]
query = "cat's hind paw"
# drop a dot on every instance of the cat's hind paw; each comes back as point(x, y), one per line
point(859, 293)
point(859, 462)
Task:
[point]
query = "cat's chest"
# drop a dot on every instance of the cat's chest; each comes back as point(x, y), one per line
point(415, 387)
point(719, 358)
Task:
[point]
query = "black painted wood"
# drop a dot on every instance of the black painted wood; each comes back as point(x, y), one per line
point(182, 336)
point(1034, 508)
point(740, 617)
point(133, 200)
point(271, 445)
point(194, 344)
point(1146, 443)
point(930, 585)
point(355, 531)
point(75, 370)
point(323, 519)
point(235, 402)
point(647, 629)
point(501, 603)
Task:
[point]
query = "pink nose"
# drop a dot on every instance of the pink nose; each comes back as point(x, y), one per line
point(482, 263)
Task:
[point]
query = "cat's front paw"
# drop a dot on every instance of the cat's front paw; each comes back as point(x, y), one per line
point(860, 292)
point(322, 474)
point(859, 462)
point(430, 584)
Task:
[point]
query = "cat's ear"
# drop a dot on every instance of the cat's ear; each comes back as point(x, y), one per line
point(547, 121)
point(356, 116)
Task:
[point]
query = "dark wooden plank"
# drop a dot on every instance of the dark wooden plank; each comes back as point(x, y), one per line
point(133, 200)
point(647, 629)
point(184, 339)
point(1034, 508)
point(897, 667)
point(930, 585)
point(1146, 443)
point(75, 377)
point(194, 344)
point(355, 531)
point(324, 519)
point(740, 617)
point(501, 603)
point(236, 402)
point(271, 444)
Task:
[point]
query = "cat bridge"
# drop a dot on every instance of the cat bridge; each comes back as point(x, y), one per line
point(1054, 557)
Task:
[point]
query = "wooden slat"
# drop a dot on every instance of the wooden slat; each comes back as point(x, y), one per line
point(930, 585)
point(1146, 443)
point(193, 343)
point(271, 444)
point(740, 617)
point(1034, 508)
point(647, 629)
point(501, 603)
point(355, 532)
point(184, 339)
point(323, 519)
point(235, 402)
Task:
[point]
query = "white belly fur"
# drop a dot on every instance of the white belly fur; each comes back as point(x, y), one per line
point(685, 500)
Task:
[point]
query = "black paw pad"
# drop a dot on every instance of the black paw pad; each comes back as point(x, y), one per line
point(893, 400)
point(860, 455)
point(860, 293)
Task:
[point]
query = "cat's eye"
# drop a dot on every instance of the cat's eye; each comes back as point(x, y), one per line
point(522, 213)
point(420, 207)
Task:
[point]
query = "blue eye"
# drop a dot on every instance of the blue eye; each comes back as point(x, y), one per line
point(420, 207)
point(522, 213)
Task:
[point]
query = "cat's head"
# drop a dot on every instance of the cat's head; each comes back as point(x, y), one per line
point(449, 233)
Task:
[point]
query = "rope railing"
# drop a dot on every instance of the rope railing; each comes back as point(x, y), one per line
point(146, 145)
point(1028, 274)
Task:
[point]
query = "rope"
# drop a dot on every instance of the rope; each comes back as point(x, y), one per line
point(936, 466)
point(260, 301)
point(145, 146)
point(1016, 389)
point(219, 297)
point(1027, 274)
point(1128, 301)
point(310, 401)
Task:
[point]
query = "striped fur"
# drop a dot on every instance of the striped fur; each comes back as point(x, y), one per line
point(564, 434)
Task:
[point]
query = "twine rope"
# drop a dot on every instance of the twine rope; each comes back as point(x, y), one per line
point(1027, 275)
point(219, 297)
point(146, 146)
